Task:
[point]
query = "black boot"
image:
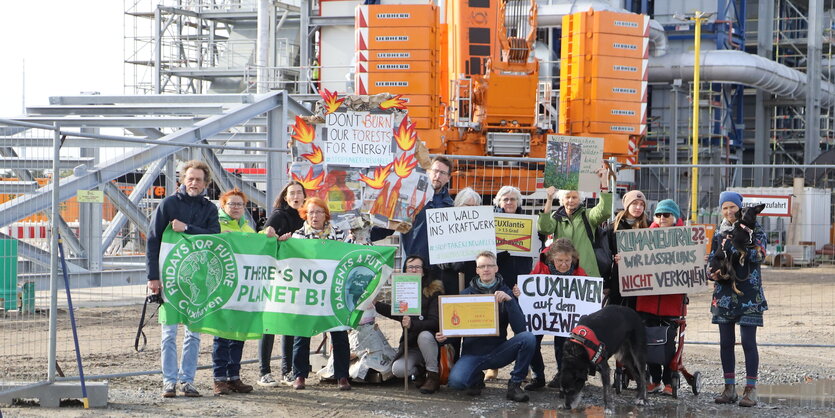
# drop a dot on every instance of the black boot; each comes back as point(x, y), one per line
point(515, 392)
point(536, 384)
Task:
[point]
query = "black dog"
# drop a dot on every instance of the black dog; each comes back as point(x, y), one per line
point(742, 239)
point(613, 330)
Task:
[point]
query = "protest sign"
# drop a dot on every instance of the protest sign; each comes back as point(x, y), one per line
point(662, 261)
point(774, 205)
point(553, 305)
point(469, 315)
point(358, 139)
point(405, 294)
point(460, 233)
point(517, 234)
point(241, 285)
point(569, 168)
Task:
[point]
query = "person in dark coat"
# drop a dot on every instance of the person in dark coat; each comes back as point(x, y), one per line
point(633, 216)
point(423, 350)
point(284, 220)
point(509, 200)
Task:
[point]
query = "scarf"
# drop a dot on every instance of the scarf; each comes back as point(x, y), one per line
point(487, 286)
point(725, 227)
point(554, 271)
point(312, 232)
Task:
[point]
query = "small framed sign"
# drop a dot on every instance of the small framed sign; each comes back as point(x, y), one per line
point(405, 294)
point(469, 315)
point(89, 196)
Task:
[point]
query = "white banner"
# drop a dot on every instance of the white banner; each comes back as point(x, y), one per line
point(459, 234)
point(774, 205)
point(662, 261)
point(553, 305)
point(358, 139)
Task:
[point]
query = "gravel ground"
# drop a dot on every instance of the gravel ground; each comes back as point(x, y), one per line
point(794, 381)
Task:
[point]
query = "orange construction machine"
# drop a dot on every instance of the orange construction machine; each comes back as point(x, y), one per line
point(473, 85)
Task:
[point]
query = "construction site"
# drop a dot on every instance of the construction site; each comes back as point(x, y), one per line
point(690, 98)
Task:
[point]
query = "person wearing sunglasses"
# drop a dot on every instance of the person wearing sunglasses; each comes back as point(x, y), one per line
point(656, 310)
point(423, 350)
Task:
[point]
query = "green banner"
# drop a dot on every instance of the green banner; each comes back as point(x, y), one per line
point(240, 285)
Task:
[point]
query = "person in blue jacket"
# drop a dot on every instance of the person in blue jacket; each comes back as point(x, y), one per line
point(414, 241)
point(483, 353)
point(187, 211)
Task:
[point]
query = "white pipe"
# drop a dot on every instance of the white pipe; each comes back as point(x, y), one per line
point(738, 67)
point(550, 15)
point(262, 53)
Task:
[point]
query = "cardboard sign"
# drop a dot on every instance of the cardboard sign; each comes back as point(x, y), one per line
point(517, 234)
point(460, 234)
point(774, 205)
point(358, 139)
point(662, 261)
point(553, 305)
point(570, 168)
point(469, 315)
point(405, 294)
point(89, 196)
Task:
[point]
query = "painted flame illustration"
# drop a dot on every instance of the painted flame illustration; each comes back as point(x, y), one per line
point(405, 135)
point(404, 165)
point(331, 102)
point(303, 132)
point(394, 103)
point(309, 182)
point(315, 157)
point(380, 174)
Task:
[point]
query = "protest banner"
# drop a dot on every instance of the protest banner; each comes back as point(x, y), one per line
point(405, 294)
point(460, 233)
point(568, 168)
point(774, 205)
point(553, 305)
point(358, 139)
point(241, 285)
point(469, 315)
point(517, 234)
point(662, 261)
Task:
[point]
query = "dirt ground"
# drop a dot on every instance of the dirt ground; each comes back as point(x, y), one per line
point(801, 312)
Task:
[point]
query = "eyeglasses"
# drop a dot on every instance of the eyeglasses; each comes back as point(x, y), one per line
point(663, 215)
point(508, 199)
point(415, 267)
point(235, 204)
point(485, 266)
point(315, 212)
point(441, 172)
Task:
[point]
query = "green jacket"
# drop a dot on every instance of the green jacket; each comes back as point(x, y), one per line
point(571, 227)
point(228, 224)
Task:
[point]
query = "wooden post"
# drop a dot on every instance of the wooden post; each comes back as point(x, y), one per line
point(406, 359)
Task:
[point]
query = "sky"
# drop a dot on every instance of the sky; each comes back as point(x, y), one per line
point(69, 47)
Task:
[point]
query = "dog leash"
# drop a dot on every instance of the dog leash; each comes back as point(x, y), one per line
point(154, 298)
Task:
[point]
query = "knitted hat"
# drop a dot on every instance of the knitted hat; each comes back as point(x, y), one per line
point(633, 196)
point(732, 197)
point(668, 206)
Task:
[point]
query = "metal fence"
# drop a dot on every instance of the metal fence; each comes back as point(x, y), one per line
point(107, 266)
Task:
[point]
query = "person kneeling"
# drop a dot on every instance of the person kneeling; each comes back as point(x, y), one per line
point(482, 353)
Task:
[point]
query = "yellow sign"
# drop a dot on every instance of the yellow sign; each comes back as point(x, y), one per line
point(89, 196)
point(469, 315)
point(517, 234)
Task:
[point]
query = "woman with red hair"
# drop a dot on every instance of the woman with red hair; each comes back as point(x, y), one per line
point(317, 225)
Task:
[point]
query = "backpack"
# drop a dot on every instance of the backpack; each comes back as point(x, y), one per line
point(602, 248)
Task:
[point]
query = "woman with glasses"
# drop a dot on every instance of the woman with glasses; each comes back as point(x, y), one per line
point(559, 259)
point(284, 220)
point(317, 225)
point(423, 350)
point(660, 309)
point(226, 353)
point(633, 216)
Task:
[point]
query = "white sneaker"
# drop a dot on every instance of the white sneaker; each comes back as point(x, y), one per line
point(287, 379)
point(267, 380)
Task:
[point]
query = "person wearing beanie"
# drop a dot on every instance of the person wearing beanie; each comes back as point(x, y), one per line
point(654, 309)
point(633, 216)
point(746, 309)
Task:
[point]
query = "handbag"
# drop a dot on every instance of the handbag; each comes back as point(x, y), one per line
point(600, 244)
point(660, 344)
point(446, 362)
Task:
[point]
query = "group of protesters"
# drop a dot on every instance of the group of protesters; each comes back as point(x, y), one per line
point(574, 233)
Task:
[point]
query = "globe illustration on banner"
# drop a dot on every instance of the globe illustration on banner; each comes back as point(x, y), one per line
point(203, 264)
point(358, 280)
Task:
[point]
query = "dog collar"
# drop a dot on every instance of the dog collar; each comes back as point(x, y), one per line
point(584, 336)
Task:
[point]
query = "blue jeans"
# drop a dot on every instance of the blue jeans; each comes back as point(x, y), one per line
point(226, 357)
point(188, 362)
point(466, 372)
point(537, 364)
point(341, 355)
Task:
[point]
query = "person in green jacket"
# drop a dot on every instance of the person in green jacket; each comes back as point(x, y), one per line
point(568, 221)
point(226, 353)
